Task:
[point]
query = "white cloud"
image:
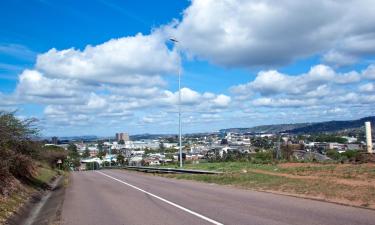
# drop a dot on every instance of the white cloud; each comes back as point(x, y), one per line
point(272, 82)
point(33, 84)
point(337, 59)
point(131, 60)
point(221, 101)
point(369, 73)
point(320, 86)
point(122, 82)
point(369, 87)
point(266, 32)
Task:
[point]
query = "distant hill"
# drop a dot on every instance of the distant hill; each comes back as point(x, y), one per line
point(333, 126)
point(80, 138)
point(305, 128)
point(137, 137)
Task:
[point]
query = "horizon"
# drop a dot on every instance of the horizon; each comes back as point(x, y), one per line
point(108, 66)
point(212, 131)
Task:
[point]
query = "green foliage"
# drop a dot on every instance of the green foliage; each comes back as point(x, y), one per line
point(101, 154)
point(92, 166)
point(51, 154)
point(263, 157)
point(100, 146)
point(17, 148)
point(120, 159)
point(74, 157)
point(349, 155)
point(327, 138)
point(106, 164)
point(262, 143)
point(86, 153)
point(161, 147)
point(333, 154)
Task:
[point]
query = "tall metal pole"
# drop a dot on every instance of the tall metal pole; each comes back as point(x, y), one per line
point(175, 41)
point(179, 114)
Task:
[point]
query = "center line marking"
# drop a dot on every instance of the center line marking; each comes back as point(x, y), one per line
point(164, 200)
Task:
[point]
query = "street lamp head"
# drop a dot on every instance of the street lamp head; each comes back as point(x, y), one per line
point(174, 40)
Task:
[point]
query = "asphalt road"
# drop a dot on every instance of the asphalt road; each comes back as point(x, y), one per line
point(115, 197)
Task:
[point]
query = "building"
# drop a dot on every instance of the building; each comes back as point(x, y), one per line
point(55, 140)
point(122, 136)
point(368, 137)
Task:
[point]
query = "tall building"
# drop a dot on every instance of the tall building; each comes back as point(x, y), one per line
point(122, 136)
point(54, 140)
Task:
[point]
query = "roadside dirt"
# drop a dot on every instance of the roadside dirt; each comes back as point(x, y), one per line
point(40, 210)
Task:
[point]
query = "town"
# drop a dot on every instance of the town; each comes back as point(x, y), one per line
point(188, 112)
point(121, 150)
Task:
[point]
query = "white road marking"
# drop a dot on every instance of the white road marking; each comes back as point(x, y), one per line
point(164, 200)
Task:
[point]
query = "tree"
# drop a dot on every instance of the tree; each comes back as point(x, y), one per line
point(17, 148)
point(161, 147)
point(74, 156)
point(86, 153)
point(100, 145)
point(120, 159)
point(101, 154)
point(52, 154)
point(121, 142)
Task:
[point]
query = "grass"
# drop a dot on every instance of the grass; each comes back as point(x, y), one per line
point(342, 183)
point(11, 203)
point(45, 174)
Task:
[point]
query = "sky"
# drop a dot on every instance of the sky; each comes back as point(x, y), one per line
point(98, 67)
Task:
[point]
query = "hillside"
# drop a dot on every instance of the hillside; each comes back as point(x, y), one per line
point(304, 128)
point(332, 126)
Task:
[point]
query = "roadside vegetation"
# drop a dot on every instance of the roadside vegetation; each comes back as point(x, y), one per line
point(26, 166)
point(352, 184)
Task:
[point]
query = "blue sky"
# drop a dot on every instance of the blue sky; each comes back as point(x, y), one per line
point(103, 66)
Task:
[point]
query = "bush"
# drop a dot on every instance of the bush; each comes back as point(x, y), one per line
point(92, 166)
point(350, 154)
point(51, 154)
point(22, 167)
point(5, 177)
point(263, 157)
point(333, 154)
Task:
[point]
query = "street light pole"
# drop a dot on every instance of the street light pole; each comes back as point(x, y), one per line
point(175, 41)
point(179, 114)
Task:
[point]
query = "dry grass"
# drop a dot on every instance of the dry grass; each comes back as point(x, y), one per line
point(342, 183)
point(10, 204)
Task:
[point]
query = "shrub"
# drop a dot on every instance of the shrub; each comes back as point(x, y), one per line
point(51, 154)
point(22, 167)
point(263, 157)
point(92, 166)
point(350, 154)
point(333, 154)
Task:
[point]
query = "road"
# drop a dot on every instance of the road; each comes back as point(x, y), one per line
point(116, 197)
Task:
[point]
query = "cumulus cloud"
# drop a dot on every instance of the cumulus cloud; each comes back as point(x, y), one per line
point(369, 87)
point(272, 82)
point(129, 61)
point(321, 85)
point(32, 82)
point(267, 33)
point(205, 102)
point(122, 81)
